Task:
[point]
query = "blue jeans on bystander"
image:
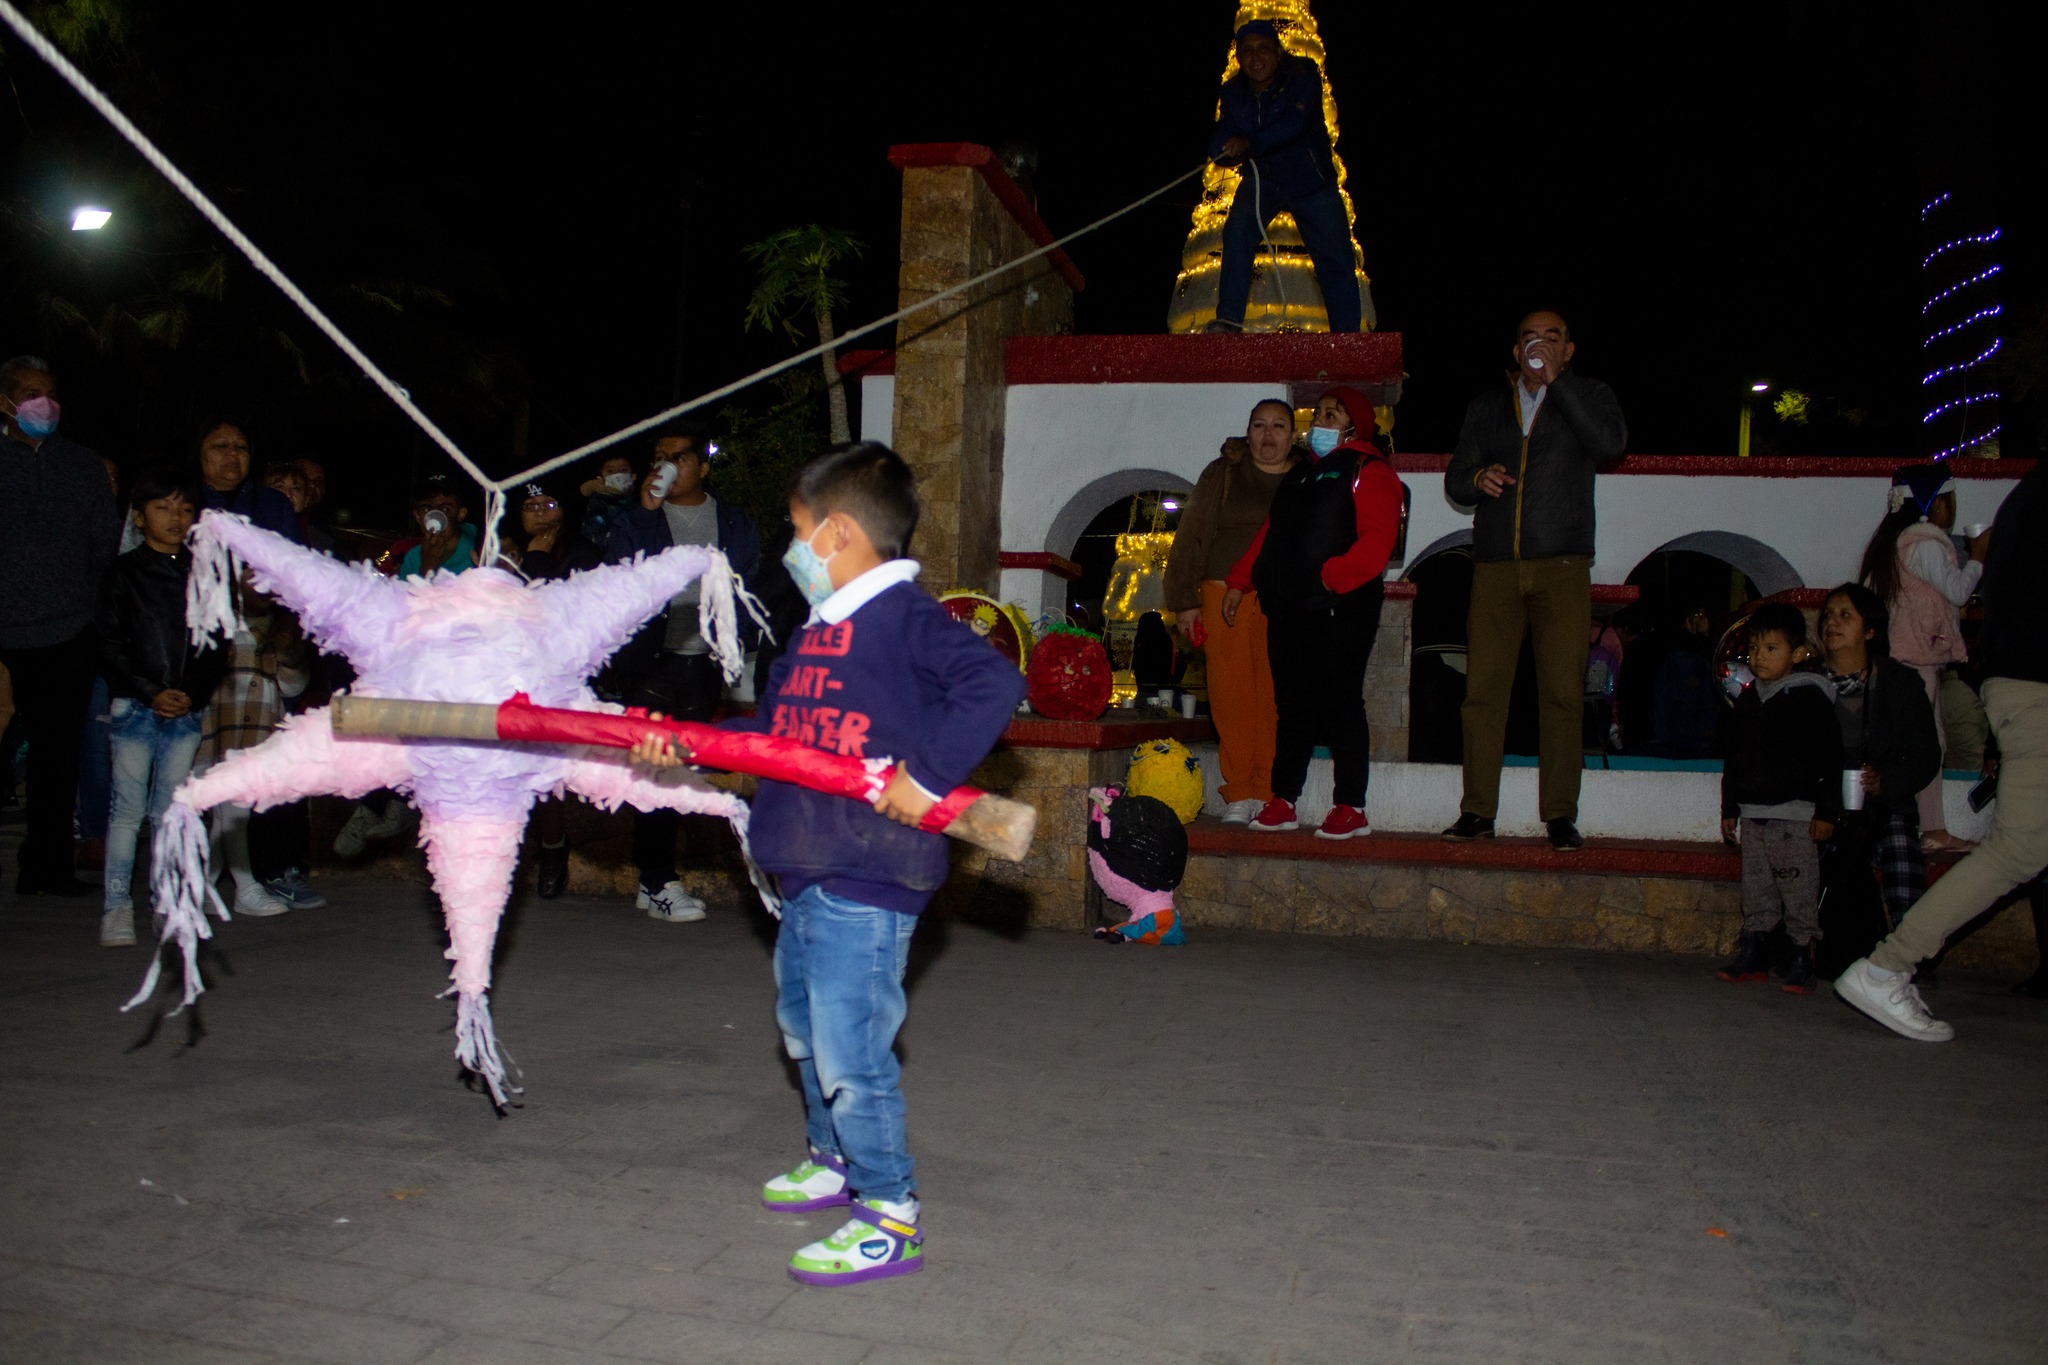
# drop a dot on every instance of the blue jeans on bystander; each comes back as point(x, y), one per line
point(151, 757)
point(839, 999)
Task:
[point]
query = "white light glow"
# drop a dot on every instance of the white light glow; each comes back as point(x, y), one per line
point(1759, 387)
point(89, 220)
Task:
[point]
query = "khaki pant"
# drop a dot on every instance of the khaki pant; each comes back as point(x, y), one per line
point(1240, 695)
point(1551, 600)
point(2017, 847)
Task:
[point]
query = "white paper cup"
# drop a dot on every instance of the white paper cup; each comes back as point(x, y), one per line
point(1187, 706)
point(1852, 789)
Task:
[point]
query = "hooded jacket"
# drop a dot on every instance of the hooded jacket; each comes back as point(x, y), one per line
point(1548, 510)
point(1785, 747)
point(1328, 535)
point(1290, 140)
point(144, 647)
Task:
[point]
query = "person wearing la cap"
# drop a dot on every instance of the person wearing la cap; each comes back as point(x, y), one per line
point(1316, 565)
point(2012, 646)
point(1270, 121)
point(1911, 564)
point(1525, 464)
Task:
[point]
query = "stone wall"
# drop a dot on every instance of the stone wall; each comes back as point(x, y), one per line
point(949, 362)
point(1386, 682)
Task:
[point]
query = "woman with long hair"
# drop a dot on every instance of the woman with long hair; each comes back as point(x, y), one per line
point(1913, 568)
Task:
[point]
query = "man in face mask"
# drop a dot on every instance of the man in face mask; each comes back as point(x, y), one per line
point(58, 532)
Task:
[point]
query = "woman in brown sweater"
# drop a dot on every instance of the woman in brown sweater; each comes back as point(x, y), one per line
point(1222, 515)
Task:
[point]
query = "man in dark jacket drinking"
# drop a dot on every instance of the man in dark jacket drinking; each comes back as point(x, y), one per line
point(1525, 463)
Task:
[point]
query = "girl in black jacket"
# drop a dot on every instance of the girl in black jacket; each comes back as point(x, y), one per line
point(1888, 733)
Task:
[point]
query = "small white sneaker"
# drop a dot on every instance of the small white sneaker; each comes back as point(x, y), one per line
point(1241, 812)
point(257, 903)
point(117, 928)
point(1895, 1003)
point(671, 903)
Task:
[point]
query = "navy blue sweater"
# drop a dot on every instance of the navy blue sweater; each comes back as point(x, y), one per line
point(899, 679)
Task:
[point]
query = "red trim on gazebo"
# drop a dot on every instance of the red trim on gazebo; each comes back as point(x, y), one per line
point(909, 155)
point(1401, 590)
point(865, 363)
point(1212, 358)
point(1046, 562)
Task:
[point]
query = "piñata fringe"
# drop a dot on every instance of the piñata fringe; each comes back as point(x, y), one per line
point(181, 882)
point(476, 1047)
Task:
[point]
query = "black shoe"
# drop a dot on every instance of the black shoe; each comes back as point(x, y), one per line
point(62, 885)
point(1799, 977)
point(1751, 961)
point(1564, 835)
point(1468, 828)
point(554, 871)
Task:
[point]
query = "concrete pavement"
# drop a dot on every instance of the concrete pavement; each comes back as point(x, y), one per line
point(1258, 1148)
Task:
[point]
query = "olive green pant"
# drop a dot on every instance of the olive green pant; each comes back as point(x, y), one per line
point(1550, 600)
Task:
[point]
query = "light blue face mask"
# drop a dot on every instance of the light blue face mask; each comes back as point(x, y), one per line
point(809, 571)
point(1323, 440)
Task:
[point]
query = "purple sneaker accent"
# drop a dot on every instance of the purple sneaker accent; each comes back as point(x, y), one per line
point(903, 1252)
point(827, 1201)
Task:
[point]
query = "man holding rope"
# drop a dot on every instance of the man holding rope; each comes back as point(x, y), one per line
point(1272, 125)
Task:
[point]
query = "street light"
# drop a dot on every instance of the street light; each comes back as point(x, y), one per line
point(1748, 400)
point(90, 219)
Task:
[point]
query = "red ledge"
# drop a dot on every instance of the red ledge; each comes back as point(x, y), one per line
point(910, 155)
point(1037, 733)
point(1401, 589)
point(1265, 358)
point(1758, 466)
point(1044, 561)
point(1815, 598)
point(1613, 857)
point(865, 363)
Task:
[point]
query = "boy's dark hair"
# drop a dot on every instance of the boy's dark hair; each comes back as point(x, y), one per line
point(161, 481)
point(868, 482)
point(1877, 618)
point(1782, 617)
point(433, 486)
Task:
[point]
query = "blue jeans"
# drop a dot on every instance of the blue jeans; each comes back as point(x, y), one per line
point(151, 757)
point(1324, 231)
point(839, 999)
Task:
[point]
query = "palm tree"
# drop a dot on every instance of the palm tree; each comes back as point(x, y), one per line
point(796, 279)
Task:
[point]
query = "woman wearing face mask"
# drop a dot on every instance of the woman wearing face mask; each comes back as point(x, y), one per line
point(1912, 566)
point(1316, 566)
point(1221, 516)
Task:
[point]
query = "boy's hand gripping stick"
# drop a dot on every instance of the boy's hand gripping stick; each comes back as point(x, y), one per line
point(1002, 826)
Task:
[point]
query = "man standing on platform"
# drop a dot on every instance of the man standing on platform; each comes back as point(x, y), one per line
point(1525, 463)
point(58, 532)
point(1272, 125)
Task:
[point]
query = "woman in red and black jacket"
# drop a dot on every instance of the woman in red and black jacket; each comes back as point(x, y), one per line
point(1316, 565)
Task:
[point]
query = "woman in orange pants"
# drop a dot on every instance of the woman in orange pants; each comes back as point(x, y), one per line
point(1222, 515)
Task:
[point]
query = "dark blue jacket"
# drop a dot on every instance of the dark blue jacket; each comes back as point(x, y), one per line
point(901, 678)
point(1289, 139)
point(266, 507)
point(638, 531)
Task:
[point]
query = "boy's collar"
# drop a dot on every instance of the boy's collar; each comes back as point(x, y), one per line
point(862, 590)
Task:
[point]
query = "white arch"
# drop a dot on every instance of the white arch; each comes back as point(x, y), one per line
point(1436, 547)
point(1085, 506)
point(1770, 571)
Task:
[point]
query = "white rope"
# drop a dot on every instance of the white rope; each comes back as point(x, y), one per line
point(92, 95)
point(728, 390)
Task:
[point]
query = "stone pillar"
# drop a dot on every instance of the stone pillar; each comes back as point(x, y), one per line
point(1386, 681)
point(961, 216)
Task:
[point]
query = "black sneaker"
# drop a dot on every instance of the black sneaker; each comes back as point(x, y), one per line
point(1751, 961)
point(1799, 977)
point(553, 871)
point(1468, 828)
point(1564, 835)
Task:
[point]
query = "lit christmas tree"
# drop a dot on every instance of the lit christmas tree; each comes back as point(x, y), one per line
point(1285, 296)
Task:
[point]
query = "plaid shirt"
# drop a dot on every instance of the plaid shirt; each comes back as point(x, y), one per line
point(249, 702)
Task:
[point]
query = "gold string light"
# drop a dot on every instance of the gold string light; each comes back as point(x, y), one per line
point(1194, 292)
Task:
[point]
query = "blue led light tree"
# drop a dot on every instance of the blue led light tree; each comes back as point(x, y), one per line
point(1960, 332)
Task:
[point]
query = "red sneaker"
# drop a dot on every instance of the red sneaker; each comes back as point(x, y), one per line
point(1343, 822)
point(1276, 816)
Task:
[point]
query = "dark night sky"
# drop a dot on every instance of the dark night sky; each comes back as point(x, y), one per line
point(1711, 194)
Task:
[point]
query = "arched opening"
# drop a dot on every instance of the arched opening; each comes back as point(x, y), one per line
point(1442, 575)
point(1666, 702)
point(1086, 529)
